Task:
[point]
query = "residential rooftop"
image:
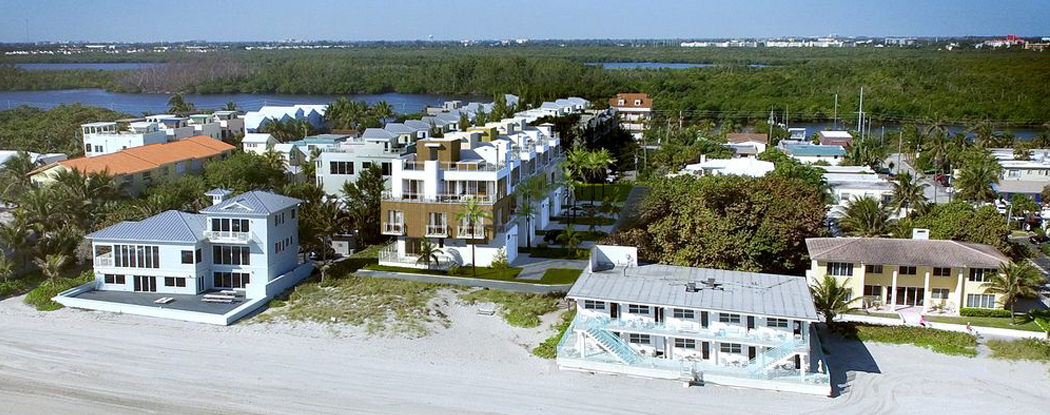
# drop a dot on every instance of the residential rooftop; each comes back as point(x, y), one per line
point(254, 202)
point(895, 251)
point(168, 226)
point(814, 150)
point(137, 159)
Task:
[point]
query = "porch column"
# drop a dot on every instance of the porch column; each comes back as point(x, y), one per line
point(959, 291)
point(893, 291)
point(802, 367)
point(926, 292)
point(668, 343)
point(582, 342)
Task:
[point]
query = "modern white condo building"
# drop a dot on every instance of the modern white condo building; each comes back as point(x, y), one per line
point(214, 266)
point(107, 137)
point(696, 325)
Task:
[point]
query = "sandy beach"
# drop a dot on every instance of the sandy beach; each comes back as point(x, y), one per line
point(85, 362)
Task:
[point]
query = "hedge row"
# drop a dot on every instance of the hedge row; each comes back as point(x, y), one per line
point(984, 312)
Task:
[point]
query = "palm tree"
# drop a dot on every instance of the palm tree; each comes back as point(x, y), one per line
point(936, 124)
point(7, 267)
point(907, 192)
point(382, 110)
point(230, 106)
point(571, 239)
point(602, 160)
point(982, 133)
point(14, 174)
point(1013, 282)
point(978, 173)
point(327, 222)
point(464, 121)
point(428, 253)
point(591, 165)
point(1042, 140)
point(831, 297)
point(530, 191)
point(51, 265)
point(865, 216)
point(937, 147)
point(275, 159)
point(473, 213)
point(179, 106)
point(16, 237)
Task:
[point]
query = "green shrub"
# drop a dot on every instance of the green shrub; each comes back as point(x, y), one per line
point(276, 303)
point(40, 297)
point(549, 348)
point(10, 288)
point(940, 341)
point(984, 312)
point(1021, 349)
point(517, 309)
point(1045, 249)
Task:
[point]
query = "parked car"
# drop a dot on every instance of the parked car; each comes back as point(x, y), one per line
point(941, 179)
point(1039, 239)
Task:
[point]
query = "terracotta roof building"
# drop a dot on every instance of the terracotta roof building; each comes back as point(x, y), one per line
point(635, 110)
point(139, 166)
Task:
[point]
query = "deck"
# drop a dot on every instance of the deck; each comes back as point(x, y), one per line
point(183, 302)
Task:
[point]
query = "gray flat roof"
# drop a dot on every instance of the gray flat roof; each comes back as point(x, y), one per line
point(185, 302)
point(773, 295)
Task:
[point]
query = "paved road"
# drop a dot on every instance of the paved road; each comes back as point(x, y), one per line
point(934, 192)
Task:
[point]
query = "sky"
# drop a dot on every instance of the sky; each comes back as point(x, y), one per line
point(359, 20)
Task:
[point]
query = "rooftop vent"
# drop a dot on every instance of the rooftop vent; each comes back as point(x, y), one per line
point(690, 287)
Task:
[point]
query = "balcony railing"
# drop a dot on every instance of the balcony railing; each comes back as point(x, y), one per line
point(228, 237)
point(393, 228)
point(458, 166)
point(437, 231)
point(470, 232)
point(104, 260)
point(486, 199)
point(763, 337)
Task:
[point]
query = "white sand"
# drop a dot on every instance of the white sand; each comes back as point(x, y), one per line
point(75, 361)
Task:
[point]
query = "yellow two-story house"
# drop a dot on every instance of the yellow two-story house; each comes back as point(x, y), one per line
point(919, 272)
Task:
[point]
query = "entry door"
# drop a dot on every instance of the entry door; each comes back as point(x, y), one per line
point(659, 314)
point(750, 322)
point(751, 352)
point(614, 310)
point(145, 284)
point(705, 350)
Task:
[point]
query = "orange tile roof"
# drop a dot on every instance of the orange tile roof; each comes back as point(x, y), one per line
point(629, 97)
point(136, 159)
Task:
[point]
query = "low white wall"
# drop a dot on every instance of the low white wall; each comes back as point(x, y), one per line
point(612, 254)
point(286, 281)
point(984, 331)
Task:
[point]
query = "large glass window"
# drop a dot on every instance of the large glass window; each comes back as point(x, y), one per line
point(685, 343)
point(939, 294)
point(730, 348)
point(982, 274)
point(636, 338)
point(137, 256)
point(231, 255)
point(231, 279)
point(341, 167)
point(840, 269)
point(777, 322)
point(942, 272)
point(593, 305)
point(187, 257)
point(980, 301)
point(637, 309)
point(873, 269)
point(729, 318)
point(907, 270)
point(683, 313)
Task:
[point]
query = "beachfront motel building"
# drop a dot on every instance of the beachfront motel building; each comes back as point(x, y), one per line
point(696, 325)
point(239, 243)
point(932, 275)
point(430, 187)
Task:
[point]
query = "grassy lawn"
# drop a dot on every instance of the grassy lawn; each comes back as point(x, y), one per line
point(585, 235)
point(484, 273)
point(560, 276)
point(1021, 349)
point(549, 348)
point(940, 341)
point(557, 253)
point(382, 306)
point(517, 309)
point(585, 221)
point(884, 315)
point(618, 191)
point(999, 322)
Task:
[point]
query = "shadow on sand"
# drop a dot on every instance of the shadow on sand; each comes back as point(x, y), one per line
point(845, 357)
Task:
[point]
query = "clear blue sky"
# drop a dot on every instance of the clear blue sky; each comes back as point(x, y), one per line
point(226, 20)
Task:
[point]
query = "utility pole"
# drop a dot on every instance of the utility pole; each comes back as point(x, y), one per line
point(787, 118)
point(900, 145)
point(769, 134)
point(835, 119)
point(860, 114)
point(679, 119)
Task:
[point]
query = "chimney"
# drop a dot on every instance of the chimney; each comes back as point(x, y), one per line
point(919, 233)
point(218, 195)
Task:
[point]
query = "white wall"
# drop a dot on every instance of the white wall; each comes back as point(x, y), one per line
point(170, 266)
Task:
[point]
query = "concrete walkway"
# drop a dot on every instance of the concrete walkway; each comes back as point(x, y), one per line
point(534, 268)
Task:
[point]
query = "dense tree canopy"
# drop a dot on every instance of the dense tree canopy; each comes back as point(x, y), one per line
point(53, 130)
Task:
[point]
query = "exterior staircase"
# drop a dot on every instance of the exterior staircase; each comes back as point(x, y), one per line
point(614, 345)
point(774, 356)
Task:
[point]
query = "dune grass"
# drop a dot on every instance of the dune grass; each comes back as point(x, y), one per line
point(1021, 349)
point(549, 348)
point(940, 341)
point(40, 296)
point(517, 309)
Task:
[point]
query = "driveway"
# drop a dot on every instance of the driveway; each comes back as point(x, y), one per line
point(934, 192)
point(534, 268)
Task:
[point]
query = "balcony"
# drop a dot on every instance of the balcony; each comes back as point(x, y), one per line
point(767, 337)
point(470, 232)
point(485, 199)
point(437, 231)
point(104, 260)
point(396, 229)
point(480, 165)
point(228, 237)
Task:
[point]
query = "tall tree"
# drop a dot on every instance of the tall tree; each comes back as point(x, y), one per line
point(865, 216)
point(832, 298)
point(473, 214)
point(14, 176)
point(52, 265)
point(464, 121)
point(363, 200)
point(907, 192)
point(325, 221)
point(178, 105)
point(978, 173)
point(382, 111)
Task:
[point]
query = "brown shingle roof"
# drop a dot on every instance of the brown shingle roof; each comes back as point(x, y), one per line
point(745, 137)
point(136, 159)
point(891, 251)
point(629, 98)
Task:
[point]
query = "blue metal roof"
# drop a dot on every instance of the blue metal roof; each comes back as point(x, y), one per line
point(169, 226)
point(253, 203)
point(814, 150)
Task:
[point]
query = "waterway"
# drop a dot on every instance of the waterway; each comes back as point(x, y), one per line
point(136, 103)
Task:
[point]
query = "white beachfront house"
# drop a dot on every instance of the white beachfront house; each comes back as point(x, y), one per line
point(107, 137)
point(215, 266)
point(704, 325)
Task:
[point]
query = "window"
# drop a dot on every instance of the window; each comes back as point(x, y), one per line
point(982, 274)
point(365, 165)
point(187, 257)
point(942, 272)
point(840, 269)
point(686, 314)
point(145, 175)
point(873, 269)
point(278, 219)
point(873, 291)
point(637, 102)
point(980, 301)
point(620, 102)
point(685, 343)
point(730, 348)
point(387, 169)
point(729, 318)
point(197, 258)
point(87, 148)
point(636, 338)
point(228, 225)
point(174, 282)
point(939, 294)
point(1015, 173)
point(341, 167)
point(114, 279)
point(136, 256)
point(230, 255)
point(293, 213)
point(98, 149)
point(637, 309)
point(777, 322)
point(231, 279)
point(593, 305)
point(906, 270)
